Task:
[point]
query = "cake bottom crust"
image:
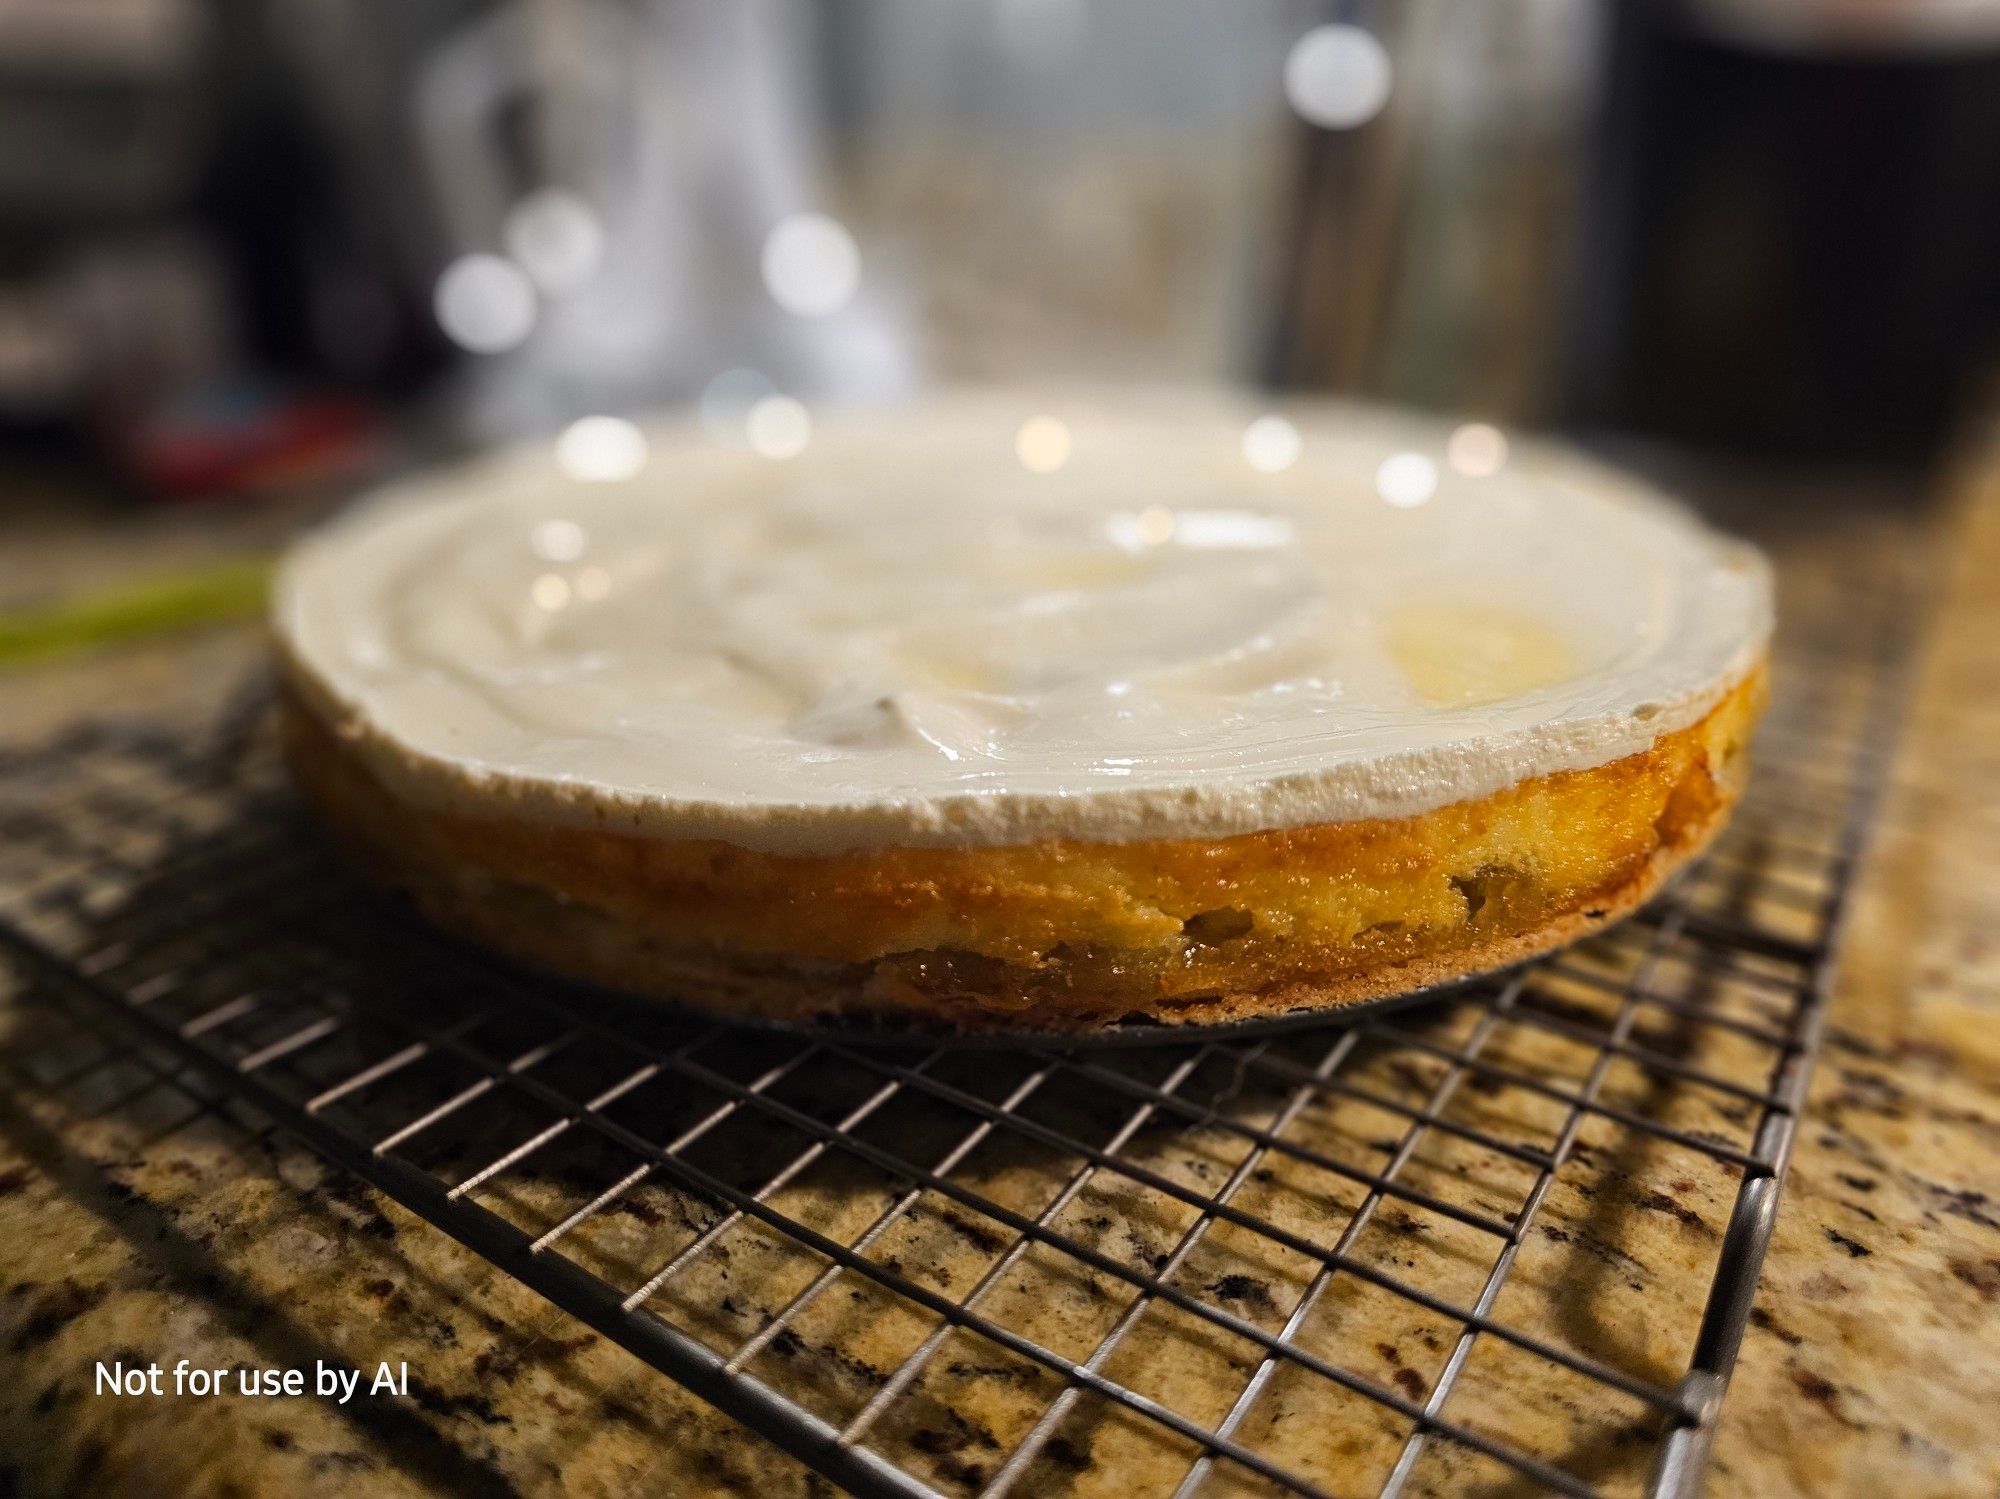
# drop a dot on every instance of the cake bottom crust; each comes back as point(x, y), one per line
point(1054, 936)
point(574, 943)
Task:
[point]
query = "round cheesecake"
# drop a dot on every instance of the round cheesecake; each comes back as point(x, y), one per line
point(959, 723)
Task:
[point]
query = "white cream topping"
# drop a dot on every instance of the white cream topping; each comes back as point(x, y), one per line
point(904, 636)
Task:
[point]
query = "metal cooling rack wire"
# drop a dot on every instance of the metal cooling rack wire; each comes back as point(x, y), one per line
point(252, 944)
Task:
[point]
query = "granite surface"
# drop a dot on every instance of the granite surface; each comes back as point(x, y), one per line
point(1872, 1364)
point(141, 1225)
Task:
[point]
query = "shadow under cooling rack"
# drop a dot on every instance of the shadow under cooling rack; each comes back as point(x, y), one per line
point(1507, 1238)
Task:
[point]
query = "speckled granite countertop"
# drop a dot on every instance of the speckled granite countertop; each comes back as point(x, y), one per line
point(137, 1223)
point(1872, 1364)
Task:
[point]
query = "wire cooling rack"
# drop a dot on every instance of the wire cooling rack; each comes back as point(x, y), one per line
point(1507, 1239)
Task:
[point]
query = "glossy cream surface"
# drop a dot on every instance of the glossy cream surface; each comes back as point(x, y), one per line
point(904, 636)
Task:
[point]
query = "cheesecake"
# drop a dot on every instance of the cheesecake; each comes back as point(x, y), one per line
point(923, 727)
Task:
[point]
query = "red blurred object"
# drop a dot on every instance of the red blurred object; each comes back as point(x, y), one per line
point(249, 438)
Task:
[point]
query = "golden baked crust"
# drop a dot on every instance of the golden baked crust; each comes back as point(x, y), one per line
point(1056, 935)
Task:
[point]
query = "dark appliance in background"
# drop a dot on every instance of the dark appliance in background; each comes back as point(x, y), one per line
point(193, 295)
point(1791, 227)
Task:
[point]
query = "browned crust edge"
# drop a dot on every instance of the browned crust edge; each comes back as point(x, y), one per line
point(543, 932)
point(557, 942)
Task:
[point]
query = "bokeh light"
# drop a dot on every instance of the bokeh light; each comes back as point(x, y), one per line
point(1406, 479)
point(1477, 450)
point(558, 239)
point(811, 265)
point(1271, 444)
point(558, 540)
point(778, 427)
point(601, 450)
point(1337, 76)
point(485, 304)
point(1043, 444)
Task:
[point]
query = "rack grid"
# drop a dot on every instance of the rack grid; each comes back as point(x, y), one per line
point(1507, 1237)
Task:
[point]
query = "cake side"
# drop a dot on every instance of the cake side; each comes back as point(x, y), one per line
point(1054, 934)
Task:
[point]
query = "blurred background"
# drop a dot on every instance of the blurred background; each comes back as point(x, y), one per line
point(253, 249)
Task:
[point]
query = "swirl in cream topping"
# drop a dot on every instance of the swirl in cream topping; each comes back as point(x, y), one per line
point(904, 636)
